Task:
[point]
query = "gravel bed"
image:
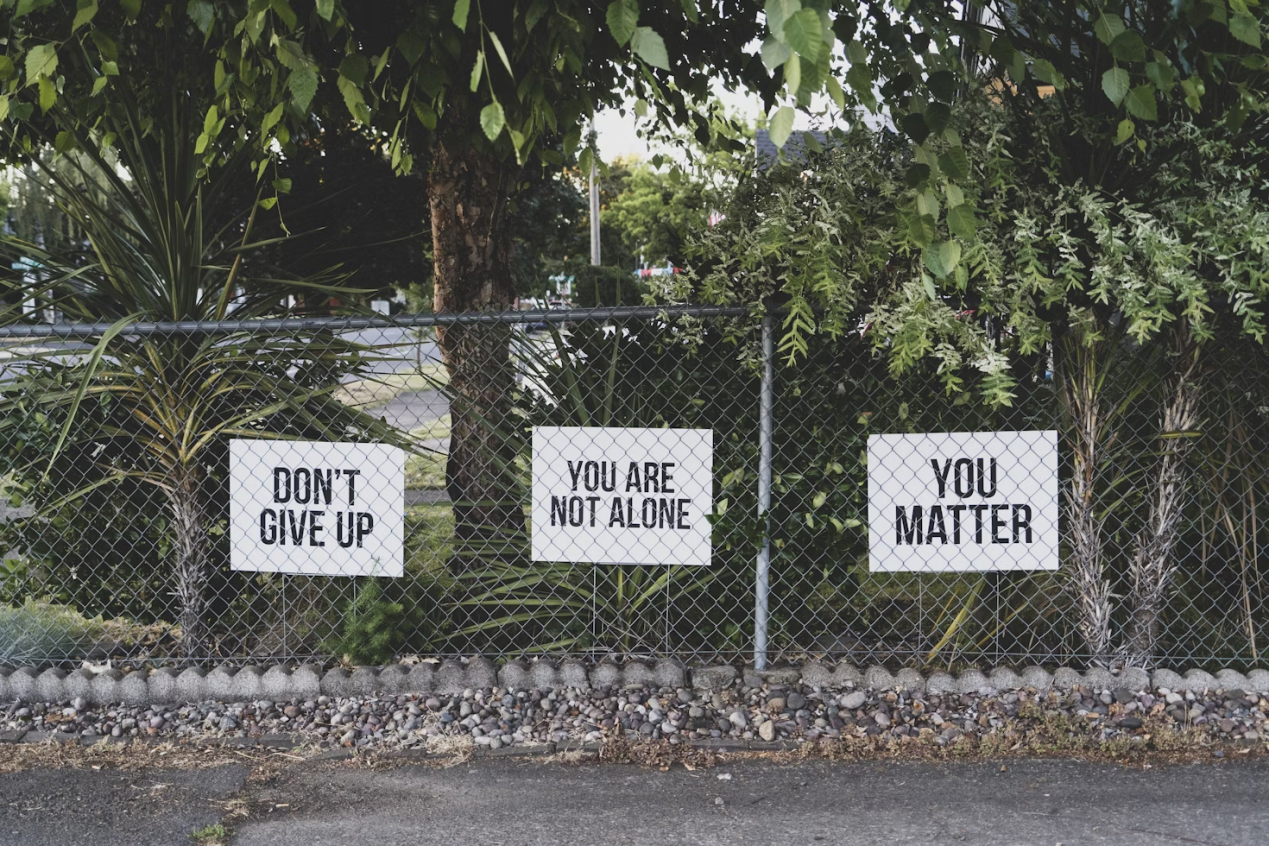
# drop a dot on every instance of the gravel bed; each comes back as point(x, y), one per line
point(496, 717)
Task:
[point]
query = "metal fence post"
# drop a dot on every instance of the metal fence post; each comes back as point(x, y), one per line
point(766, 417)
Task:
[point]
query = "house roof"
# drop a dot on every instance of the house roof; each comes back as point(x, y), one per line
point(767, 153)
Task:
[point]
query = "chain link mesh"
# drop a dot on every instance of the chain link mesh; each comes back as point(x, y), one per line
point(116, 457)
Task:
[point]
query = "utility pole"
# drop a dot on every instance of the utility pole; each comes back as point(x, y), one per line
point(594, 213)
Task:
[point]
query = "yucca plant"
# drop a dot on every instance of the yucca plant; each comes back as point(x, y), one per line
point(166, 236)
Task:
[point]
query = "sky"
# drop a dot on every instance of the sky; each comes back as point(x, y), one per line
point(618, 136)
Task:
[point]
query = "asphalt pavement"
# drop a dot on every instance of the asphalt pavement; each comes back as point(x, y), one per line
point(525, 802)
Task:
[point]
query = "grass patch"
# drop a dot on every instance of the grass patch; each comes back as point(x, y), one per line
point(426, 471)
point(378, 391)
point(209, 834)
point(429, 536)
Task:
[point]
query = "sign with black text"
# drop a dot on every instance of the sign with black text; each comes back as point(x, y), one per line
point(316, 508)
point(622, 496)
point(963, 502)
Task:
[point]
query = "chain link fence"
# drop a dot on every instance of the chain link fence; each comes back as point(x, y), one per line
point(119, 531)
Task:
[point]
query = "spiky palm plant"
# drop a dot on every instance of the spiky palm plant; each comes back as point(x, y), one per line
point(166, 237)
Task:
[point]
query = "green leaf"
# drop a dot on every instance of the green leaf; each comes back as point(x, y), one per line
point(7, 70)
point(303, 85)
point(41, 60)
point(131, 8)
point(202, 13)
point(690, 10)
point(84, 12)
point(775, 53)
point(64, 141)
point(955, 163)
point(326, 9)
point(1125, 131)
point(1245, 29)
point(282, 8)
point(492, 120)
point(650, 47)
point(354, 69)
point(1045, 72)
point(48, 93)
point(99, 84)
point(4, 106)
point(834, 90)
point(1162, 75)
point(942, 85)
point(781, 125)
point(916, 174)
point(282, 186)
point(962, 222)
point(1194, 90)
point(271, 119)
point(942, 258)
point(914, 125)
point(502, 54)
point(641, 108)
point(930, 290)
point(1128, 47)
point(110, 68)
point(778, 11)
point(856, 53)
point(1108, 28)
point(1141, 103)
point(622, 18)
point(804, 32)
point(921, 229)
point(859, 78)
point(793, 73)
point(268, 203)
point(461, 8)
point(209, 122)
point(477, 70)
point(1115, 84)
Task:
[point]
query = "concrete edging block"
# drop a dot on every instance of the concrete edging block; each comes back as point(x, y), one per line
point(1037, 677)
point(573, 674)
point(481, 672)
point(669, 672)
point(603, 674)
point(878, 678)
point(972, 681)
point(1232, 680)
point(543, 675)
point(134, 688)
point(713, 678)
point(816, 674)
point(450, 679)
point(514, 675)
point(275, 684)
point(394, 680)
point(191, 684)
point(636, 675)
point(106, 687)
point(162, 686)
point(846, 673)
point(421, 678)
point(939, 684)
point(21, 684)
point(910, 680)
point(79, 685)
point(49, 686)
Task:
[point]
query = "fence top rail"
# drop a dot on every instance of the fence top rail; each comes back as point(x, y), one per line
point(357, 322)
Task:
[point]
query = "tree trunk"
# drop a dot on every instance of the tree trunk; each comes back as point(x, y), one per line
point(189, 529)
point(1079, 373)
point(1152, 567)
point(468, 194)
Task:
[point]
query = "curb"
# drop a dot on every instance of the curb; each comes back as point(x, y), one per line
point(451, 677)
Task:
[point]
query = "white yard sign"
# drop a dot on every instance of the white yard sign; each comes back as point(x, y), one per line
point(622, 496)
point(963, 502)
point(316, 508)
